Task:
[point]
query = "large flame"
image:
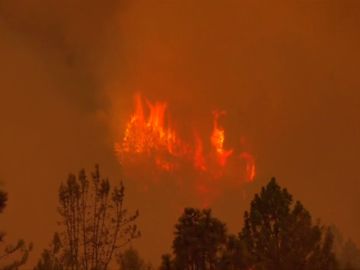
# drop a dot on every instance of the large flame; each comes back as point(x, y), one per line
point(144, 135)
point(148, 134)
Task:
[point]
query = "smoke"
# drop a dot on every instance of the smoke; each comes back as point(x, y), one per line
point(72, 38)
point(284, 71)
point(50, 96)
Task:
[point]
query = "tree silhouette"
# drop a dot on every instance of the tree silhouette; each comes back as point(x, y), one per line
point(13, 256)
point(131, 260)
point(95, 224)
point(350, 256)
point(234, 256)
point(199, 237)
point(50, 257)
point(3, 200)
point(167, 262)
point(279, 234)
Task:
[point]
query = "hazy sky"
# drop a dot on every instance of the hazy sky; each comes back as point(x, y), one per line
point(285, 72)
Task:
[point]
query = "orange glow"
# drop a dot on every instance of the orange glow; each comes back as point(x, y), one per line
point(149, 136)
point(199, 159)
point(250, 165)
point(217, 140)
point(164, 165)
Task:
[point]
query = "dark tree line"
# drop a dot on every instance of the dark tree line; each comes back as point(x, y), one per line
point(278, 234)
point(131, 260)
point(95, 227)
point(347, 252)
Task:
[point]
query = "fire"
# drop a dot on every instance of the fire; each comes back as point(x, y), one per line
point(217, 140)
point(149, 135)
point(250, 165)
point(145, 135)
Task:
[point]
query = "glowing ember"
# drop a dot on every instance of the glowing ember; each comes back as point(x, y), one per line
point(149, 136)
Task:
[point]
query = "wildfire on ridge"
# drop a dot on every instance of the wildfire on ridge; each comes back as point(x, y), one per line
point(148, 134)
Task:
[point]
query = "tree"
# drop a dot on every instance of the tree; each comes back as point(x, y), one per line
point(95, 224)
point(50, 257)
point(131, 260)
point(13, 256)
point(167, 262)
point(3, 200)
point(279, 234)
point(234, 256)
point(350, 256)
point(199, 238)
point(347, 253)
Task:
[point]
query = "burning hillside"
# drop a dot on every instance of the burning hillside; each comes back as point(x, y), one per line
point(150, 139)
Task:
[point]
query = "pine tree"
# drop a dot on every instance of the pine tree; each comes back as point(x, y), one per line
point(279, 234)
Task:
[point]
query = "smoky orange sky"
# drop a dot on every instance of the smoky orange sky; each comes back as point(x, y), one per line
point(286, 72)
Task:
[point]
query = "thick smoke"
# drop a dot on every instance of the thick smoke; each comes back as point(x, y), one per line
point(285, 72)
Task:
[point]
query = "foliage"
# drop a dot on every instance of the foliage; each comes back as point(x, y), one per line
point(199, 238)
point(131, 260)
point(3, 200)
point(166, 262)
point(349, 256)
point(95, 224)
point(50, 257)
point(347, 253)
point(234, 256)
point(280, 235)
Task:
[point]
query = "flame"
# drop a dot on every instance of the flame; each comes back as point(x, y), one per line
point(148, 134)
point(217, 140)
point(145, 135)
point(250, 165)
